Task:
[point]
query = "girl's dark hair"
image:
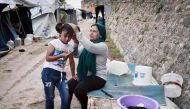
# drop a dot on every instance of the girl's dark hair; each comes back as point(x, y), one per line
point(58, 27)
point(78, 28)
point(68, 29)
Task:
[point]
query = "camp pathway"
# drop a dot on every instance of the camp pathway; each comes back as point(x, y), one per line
point(20, 76)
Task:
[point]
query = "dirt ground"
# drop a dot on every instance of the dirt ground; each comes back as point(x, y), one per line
point(20, 76)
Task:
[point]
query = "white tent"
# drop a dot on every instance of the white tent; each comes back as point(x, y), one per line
point(26, 3)
point(34, 3)
point(79, 14)
point(43, 18)
point(66, 6)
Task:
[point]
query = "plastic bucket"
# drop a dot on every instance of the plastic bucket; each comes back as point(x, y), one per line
point(173, 84)
point(134, 100)
point(142, 75)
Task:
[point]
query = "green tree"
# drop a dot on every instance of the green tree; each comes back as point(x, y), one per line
point(62, 1)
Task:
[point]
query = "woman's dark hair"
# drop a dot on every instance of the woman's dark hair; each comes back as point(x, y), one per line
point(58, 27)
point(68, 29)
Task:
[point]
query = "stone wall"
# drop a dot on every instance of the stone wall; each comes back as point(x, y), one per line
point(157, 34)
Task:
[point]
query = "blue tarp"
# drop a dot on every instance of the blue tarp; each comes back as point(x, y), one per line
point(7, 31)
point(118, 86)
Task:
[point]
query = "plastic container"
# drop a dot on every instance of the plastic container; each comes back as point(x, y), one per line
point(142, 75)
point(135, 100)
point(118, 67)
point(10, 44)
point(28, 40)
point(173, 84)
point(17, 41)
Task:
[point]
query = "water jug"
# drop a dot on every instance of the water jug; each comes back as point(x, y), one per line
point(28, 39)
point(17, 41)
point(10, 44)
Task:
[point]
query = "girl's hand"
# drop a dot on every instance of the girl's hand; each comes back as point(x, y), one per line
point(75, 77)
point(65, 55)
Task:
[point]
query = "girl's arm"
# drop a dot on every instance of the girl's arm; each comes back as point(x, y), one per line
point(76, 51)
point(72, 65)
point(49, 54)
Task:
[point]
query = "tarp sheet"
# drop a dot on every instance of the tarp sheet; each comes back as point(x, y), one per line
point(44, 25)
point(29, 3)
point(7, 31)
point(43, 18)
point(118, 86)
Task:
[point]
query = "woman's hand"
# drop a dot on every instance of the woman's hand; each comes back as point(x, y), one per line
point(76, 30)
point(74, 38)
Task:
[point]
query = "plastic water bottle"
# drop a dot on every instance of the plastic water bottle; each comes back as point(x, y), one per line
point(10, 44)
point(17, 41)
point(28, 39)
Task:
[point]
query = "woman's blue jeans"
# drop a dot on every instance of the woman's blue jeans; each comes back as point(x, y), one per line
point(52, 78)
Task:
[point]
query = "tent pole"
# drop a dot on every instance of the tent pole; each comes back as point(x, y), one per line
point(57, 15)
point(20, 22)
point(57, 12)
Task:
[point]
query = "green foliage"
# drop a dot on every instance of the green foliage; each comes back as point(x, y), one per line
point(154, 64)
point(63, 17)
point(159, 8)
point(140, 38)
point(163, 60)
point(114, 52)
point(143, 30)
point(117, 18)
point(62, 1)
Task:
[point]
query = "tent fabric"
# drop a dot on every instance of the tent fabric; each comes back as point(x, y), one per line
point(2, 6)
point(43, 19)
point(44, 25)
point(7, 2)
point(45, 7)
point(42, 15)
point(21, 21)
point(12, 4)
point(7, 22)
point(28, 3)
point(78, 14)
point(66, 7)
